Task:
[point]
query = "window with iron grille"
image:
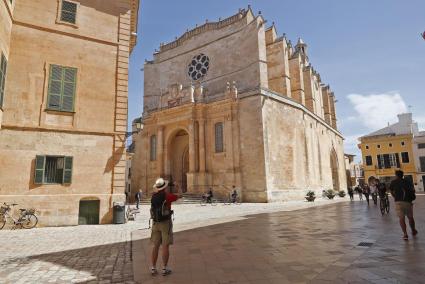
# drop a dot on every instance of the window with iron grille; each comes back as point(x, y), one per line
point(69, 12)
point(3, 67)
point(219, 145)
point(53, 170)
point(421, 146)
point(62, 85)
point(153, 148)
point(405, 157)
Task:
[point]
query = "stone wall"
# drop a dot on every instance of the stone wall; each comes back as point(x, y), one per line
point(297, 152)
point(56, 204)
point(243, 62)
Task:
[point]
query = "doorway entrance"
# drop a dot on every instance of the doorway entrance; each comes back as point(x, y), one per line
point(334, 169)
point(179, 160)
point(89, 212)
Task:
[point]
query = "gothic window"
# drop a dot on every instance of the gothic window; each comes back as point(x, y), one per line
point(198, 67)
point(219, 145)
point(153, 148)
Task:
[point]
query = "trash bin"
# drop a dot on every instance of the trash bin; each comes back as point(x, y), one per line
point(119, 213)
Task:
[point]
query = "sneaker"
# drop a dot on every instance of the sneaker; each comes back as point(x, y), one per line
point(406, 237)
point(166, 271)
point(414, 233)
point(154, 271)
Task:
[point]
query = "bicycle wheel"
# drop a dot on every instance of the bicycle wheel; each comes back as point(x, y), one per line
point(388, 205)
point(203, 202)
point(382, 206)
point(213, 202)
point(2, 221)
point(29, 221)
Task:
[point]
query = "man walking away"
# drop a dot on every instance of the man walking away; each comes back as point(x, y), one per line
point(404, 194)
point(162, 228)
point(138, 198)
point(351, 193)
point(360, 192)
point(366, 192)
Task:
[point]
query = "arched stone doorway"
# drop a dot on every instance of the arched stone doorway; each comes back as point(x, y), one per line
point(334, 169)
point(178, 159)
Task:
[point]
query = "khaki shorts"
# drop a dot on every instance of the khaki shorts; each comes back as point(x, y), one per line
point(404, 209)
point(162, 233)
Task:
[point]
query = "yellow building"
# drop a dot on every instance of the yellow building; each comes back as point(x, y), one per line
point(389, 149)
point(63, 106)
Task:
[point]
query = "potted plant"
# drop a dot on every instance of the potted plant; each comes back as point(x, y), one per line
point(330, 193)
point(310, 196)
point(341, 193)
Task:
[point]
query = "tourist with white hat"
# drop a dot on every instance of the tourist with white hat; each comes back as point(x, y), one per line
point(162, 228)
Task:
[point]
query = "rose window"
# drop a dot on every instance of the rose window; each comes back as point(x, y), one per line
point(198, 67)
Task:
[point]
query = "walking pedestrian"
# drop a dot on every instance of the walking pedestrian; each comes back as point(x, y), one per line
point(404, 194)
point(373, 183)
point(366, 192)
point(138, 198)
point(162, 228)
point(359, 192)
point(351, 193)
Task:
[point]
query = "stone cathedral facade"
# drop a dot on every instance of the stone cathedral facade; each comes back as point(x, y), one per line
point(232, 103)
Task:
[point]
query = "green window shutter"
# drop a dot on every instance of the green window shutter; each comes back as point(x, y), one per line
point(68, 88)
point(67, 173)
point(55, 87)
point(39, 169)
point(62, 85)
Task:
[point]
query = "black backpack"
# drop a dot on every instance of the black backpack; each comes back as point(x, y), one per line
point(159, 209)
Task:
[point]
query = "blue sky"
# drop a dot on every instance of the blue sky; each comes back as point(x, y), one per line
point(370, 52)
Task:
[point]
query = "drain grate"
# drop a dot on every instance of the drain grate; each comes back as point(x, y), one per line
point(365, 244)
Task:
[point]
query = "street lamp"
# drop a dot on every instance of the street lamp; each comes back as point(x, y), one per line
point(138, 128)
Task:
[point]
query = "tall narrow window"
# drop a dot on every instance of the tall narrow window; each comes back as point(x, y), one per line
point(404, 157)
point(422, 162)
point(219, 145)
point(53, 170)
point(69, 12)
point(153, 148)
point(62, 85)
point(3, 66)
point(368, 160)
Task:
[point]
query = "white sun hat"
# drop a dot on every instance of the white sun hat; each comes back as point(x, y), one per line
point(160, 184)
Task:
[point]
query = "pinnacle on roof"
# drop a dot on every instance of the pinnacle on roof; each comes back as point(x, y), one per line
point(300, 41)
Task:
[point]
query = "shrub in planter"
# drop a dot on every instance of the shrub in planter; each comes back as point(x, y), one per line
point(310, 196)
point(330, 193)
point(341, 193)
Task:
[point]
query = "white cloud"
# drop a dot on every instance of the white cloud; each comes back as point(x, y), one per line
point(375, 111)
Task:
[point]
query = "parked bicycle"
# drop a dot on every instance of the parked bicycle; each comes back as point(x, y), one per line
point(207, 200)
point(26, 218)
point(384, 204)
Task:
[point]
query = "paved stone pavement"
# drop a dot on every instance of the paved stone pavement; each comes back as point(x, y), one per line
point(313, 245)
point(102, 254)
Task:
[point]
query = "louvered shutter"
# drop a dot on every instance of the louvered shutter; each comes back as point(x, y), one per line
point(67, 173)
point(39, 169)
point(69, 82)
point(55, 87)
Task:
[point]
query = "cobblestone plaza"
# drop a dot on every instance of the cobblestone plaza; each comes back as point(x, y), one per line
point(293, 242)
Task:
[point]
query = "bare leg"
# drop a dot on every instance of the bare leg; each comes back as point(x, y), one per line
point(165, 254)
point(154, 258)
point(403, 225)
point(412, 225)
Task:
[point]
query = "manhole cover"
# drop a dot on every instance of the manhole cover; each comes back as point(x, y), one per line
point(365, 244)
